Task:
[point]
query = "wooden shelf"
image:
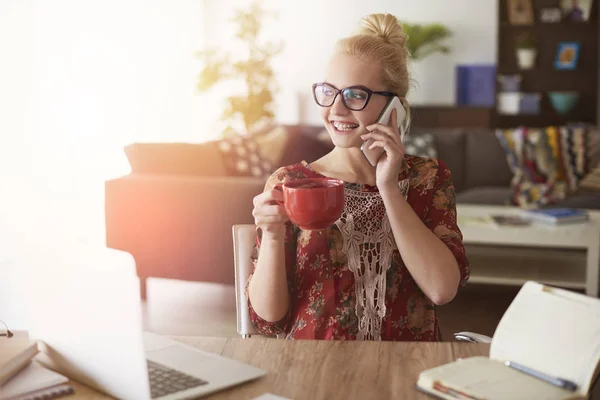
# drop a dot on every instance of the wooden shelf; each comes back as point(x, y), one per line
point(537, 121)
point(515, 266)
point(548, 79)
point(546, 26)
point(544, 77)
point(450, 116)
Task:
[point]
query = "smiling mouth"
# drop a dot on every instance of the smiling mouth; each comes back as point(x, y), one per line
point(343, 126)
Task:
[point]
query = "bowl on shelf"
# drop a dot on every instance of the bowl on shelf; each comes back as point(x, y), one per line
point(563, 102)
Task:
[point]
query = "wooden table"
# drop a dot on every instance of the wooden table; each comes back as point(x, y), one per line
point(310, 369)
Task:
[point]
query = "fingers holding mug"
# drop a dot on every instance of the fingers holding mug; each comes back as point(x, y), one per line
point(269, 212)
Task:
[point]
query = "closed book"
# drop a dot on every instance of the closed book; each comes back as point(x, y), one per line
point(15, 354)
point(476, 85)
point(557, 215)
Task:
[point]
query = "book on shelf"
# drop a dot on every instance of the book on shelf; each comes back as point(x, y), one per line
point(557, 216)
point(553, 333)
point(15, 354)
point(510, 220)
point(494, 220)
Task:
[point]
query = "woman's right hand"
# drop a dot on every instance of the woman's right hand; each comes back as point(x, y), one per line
point(269, 214)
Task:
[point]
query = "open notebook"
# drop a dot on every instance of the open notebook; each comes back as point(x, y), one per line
point(35, 382)
point(15, 354)
point(550, 330)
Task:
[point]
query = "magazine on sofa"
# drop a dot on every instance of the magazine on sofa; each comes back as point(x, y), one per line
point(550, 332)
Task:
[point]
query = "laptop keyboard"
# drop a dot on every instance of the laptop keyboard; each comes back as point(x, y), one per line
point(164, 380)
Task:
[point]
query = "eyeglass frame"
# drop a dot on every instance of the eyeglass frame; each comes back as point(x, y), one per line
point(338, 91)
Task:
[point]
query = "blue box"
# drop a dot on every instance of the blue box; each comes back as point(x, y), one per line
point(476, 85)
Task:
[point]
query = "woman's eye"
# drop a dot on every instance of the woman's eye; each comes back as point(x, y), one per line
point(357, 95)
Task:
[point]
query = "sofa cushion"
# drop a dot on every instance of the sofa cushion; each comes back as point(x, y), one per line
point(422, 145)
point(592, 181)
point(534, 156)
point(304, 144)
point(272, 143)
point(588, 200)
point(492, 195)
point(243, 157)
point(450, 146)
point(486, 163)
point(573, 148)
point(200, 159)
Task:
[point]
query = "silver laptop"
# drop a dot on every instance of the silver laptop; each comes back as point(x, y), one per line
point(83, 303)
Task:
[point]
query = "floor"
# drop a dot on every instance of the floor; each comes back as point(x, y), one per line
point(206, 309)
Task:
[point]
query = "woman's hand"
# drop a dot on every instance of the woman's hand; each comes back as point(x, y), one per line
point(269, 214)
point(390, 162)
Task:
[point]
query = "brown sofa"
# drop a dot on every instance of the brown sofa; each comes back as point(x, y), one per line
point(175, 211)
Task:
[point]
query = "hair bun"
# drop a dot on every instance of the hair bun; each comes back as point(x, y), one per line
point(385, 26)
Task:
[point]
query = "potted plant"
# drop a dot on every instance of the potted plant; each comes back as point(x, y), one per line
point(423, 41)
point(526, 51)
point(253, 106)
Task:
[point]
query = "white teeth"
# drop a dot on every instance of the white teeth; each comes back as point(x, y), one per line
point(343, 127)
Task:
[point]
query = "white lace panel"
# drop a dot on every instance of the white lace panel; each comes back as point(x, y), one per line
point(369, 245)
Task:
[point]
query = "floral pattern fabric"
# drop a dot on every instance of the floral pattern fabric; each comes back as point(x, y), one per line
point(323, 296)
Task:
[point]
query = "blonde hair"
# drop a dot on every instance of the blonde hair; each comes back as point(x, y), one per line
point(380, 39)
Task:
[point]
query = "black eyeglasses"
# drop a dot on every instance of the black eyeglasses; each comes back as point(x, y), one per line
point(355, 98)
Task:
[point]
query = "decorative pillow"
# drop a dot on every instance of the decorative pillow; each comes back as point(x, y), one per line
point(534, 157)
point(304, 146)
point(592, 180)
point(421, 145)
point(574, 147)
point(272, 144)
point(242, 157)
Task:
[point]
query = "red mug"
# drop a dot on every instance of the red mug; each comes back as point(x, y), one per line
point(313, 203)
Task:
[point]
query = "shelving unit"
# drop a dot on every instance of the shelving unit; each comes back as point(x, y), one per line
point(544, 78)
point(513, 266)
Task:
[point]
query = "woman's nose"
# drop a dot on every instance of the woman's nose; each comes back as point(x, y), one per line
point(338, 106)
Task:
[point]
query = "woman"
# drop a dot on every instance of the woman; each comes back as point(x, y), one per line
point(397, 252)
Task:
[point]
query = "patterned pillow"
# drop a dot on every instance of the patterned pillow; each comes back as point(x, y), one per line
point(592, 180)
point(421, 145)
point(242, 157)
point(574, 146)
point(534, 156)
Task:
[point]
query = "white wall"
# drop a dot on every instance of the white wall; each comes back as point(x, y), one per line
point(79, 79)
point(309, 29)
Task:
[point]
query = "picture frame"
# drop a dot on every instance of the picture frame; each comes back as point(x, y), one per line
point(567, 56)
point(576, 10)
point(520, 12)
point(551, 15)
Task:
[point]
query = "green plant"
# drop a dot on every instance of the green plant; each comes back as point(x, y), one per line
point(254, 71)
point(525, 41)
point(424, 40)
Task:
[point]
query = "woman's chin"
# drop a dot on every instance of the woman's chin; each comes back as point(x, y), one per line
point(347, 143)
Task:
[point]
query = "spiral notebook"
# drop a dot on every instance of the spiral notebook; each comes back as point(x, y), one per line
point(35, 382)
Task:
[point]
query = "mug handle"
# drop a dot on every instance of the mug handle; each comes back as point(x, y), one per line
point(279, 186)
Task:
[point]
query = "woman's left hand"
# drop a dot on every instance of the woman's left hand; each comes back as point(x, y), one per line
point(390, 162)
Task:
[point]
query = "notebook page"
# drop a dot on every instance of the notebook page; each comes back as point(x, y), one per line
point(483, 378)
point(33, 377)
point(551, 330)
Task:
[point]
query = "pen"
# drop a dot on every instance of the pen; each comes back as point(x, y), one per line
point(562, 383)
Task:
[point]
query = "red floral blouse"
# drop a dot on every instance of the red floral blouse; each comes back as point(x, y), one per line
point(349, 282)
